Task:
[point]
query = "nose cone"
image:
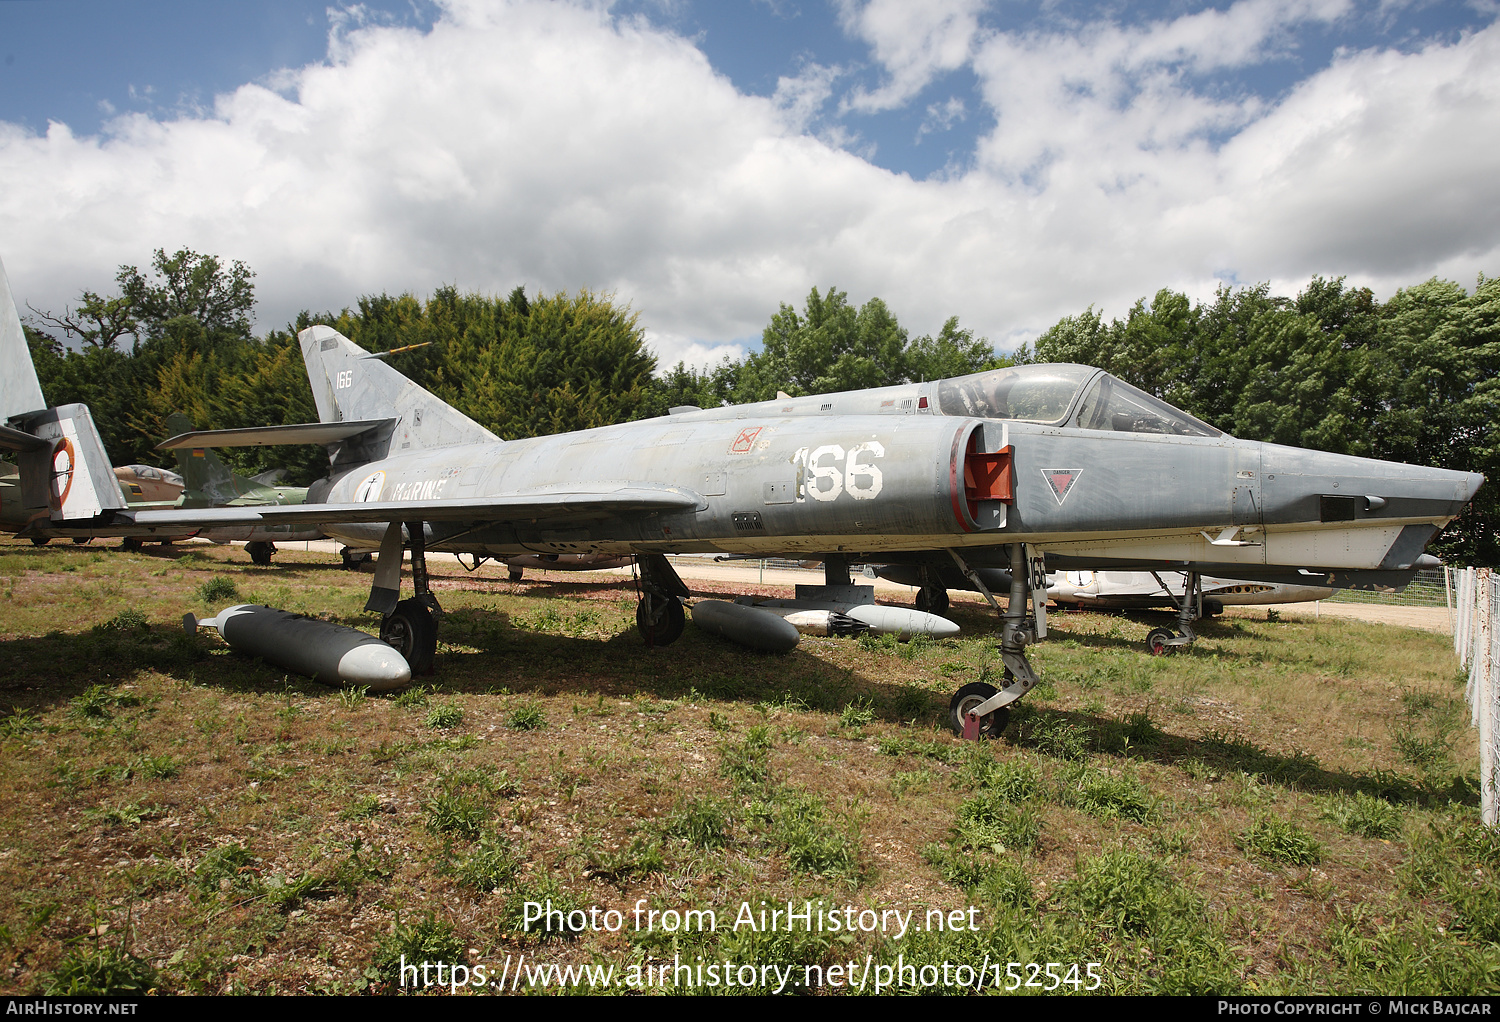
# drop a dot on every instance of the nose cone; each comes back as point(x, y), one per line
point(1312, 486)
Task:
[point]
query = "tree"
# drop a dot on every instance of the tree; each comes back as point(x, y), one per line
point(192, 285)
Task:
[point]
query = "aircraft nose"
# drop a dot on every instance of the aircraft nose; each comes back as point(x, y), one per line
point(1314, 486)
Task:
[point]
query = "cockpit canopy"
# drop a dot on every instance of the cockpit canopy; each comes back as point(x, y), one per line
point(1066, 395)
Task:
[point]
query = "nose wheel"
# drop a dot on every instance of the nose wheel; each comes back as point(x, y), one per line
point(964, 718)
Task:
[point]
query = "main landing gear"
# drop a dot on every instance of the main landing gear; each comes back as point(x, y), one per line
point(980, 710)
point(410, 626)
point(932, 598)
point(260, 552)
point(659, 616)
point(1191, 606)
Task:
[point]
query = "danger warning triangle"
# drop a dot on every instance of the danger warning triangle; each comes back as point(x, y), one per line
point(1061, 480)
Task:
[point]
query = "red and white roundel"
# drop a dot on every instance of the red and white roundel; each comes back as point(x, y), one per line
point(64, 462)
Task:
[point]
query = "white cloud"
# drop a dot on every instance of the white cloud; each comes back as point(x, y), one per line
point(912, 41)
point(551, 145)
point(800, 97)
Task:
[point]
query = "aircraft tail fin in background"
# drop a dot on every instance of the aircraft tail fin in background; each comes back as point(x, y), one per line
point(66, 472)
point(207, 479)
point(20, 391)
point(348, 383)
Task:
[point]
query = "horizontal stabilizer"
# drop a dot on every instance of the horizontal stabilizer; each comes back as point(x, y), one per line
point(549, 507)
point(17, 440)
point(270, 436)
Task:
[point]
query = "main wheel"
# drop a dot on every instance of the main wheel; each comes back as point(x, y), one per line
point(352, 560)
point(991, 725)
point(260, 552)
point(516, 574)
point(411, 631)
point(40, 540)
point(932, 600)
point(1156, 642)
point(660, 619)
point(81, 540)
point(131, 543)
point(1213, 608)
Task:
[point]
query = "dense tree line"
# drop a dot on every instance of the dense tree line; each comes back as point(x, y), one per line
point(1411, 379)
point(832, 346)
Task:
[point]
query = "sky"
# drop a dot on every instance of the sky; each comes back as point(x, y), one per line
point(1003, 161)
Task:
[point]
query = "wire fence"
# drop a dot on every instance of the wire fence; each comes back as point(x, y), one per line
point(1474, 597)
point(1427, 589)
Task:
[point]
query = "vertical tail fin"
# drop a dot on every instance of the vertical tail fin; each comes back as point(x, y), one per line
point(349, 383)
point(20, 391)
point(69, 475)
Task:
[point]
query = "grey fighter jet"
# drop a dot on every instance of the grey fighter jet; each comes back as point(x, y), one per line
point(993, 470)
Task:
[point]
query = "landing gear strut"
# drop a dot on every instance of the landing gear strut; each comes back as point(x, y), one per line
point(659, 616)
point(1190, 607)
point(409, 626)
point(932, 598)
point(979, 710)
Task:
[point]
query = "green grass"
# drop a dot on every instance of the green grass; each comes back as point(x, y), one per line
point(1289, 807)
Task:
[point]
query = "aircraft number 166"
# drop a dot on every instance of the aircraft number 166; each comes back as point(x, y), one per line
point(832, 471)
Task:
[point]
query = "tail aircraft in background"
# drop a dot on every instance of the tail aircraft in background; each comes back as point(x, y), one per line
point(210, 483)
point(995, 470)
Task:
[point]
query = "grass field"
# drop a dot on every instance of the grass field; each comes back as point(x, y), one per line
point(1288, 807)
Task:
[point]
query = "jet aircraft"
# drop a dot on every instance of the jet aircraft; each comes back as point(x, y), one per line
point(995, 470)
point(210, 483)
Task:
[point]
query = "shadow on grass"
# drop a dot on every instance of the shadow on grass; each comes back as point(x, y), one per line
point(1075, 735)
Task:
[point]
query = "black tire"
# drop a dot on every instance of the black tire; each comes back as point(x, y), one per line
point(1156, 642)
point(932, 600)
point(352, 560)
point(40, 540)
point(660, 619)
point(516, 574)
point(81, 540)
point(411, 631)
point(1213, 608)
point(991, 725)
point(131, 543)
point(260, 553)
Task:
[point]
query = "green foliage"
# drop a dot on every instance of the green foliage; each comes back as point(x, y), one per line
point(699, 821)
point(747, 761)
point(441, 718)
point(1109, 796)
point(97, 969)
point(832, 346)
point(430, 940)
point(229, 867)
point(1365, 816)
point(457, 813)
point(1123, 891)
point(1281, 841)
point(218, 590)
point(527, 717)
point(490, 864)
point(857, 714)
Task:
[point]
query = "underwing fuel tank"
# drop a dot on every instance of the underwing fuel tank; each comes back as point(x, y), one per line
point(748, 626)
point(329, 653)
